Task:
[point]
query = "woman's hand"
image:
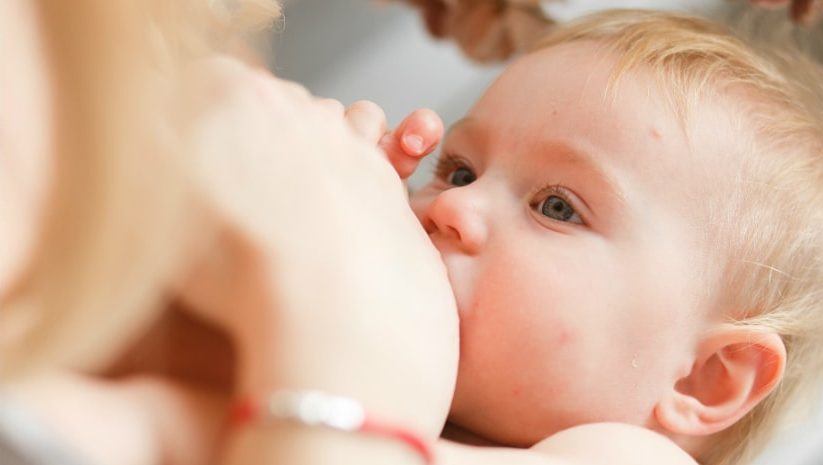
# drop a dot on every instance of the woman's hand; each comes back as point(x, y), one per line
point(493, 30)
point(802, 11)
point(318, 267)
point(486, 30)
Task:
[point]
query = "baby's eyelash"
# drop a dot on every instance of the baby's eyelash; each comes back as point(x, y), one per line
point(446, 165)
point(549, 190)
point(556, 190)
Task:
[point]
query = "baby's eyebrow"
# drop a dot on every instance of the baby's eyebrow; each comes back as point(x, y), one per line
point(587, 160)
point(461, 123)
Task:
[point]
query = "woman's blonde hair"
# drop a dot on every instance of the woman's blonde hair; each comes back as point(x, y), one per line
point(119, 208)
point(768, 224)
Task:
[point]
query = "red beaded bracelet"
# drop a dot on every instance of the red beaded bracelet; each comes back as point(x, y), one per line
point(314, 408)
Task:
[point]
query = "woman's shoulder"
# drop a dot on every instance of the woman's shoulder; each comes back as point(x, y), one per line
point(613, 443)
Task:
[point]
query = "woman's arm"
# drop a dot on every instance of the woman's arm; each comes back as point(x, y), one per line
point(592, 444)
point(138, 421)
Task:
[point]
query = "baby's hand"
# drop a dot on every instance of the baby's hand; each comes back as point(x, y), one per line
point(414, 138)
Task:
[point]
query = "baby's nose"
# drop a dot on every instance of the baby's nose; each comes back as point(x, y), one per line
point(458, 214)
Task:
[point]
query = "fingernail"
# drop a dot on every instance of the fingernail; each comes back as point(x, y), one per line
point(413, 143)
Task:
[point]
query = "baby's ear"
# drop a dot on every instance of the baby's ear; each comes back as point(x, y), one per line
point(735, 368)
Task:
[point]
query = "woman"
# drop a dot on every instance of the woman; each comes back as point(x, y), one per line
point(143, 169)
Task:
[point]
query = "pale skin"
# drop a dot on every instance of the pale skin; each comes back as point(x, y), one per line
point(701, 355)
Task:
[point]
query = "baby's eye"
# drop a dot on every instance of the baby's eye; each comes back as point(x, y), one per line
point(461, 176)
point(558, 208)
point(454, 171)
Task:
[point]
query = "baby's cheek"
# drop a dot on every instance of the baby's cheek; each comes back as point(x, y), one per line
point(565, 336)
point(529, 312)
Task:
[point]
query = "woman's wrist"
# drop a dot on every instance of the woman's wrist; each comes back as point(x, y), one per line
point(317, 409)
point(291, 443)
point(265, 369)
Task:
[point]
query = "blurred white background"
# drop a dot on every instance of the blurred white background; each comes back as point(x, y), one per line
point(356, 49)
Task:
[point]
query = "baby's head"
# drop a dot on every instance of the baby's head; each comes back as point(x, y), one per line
point(631, 219)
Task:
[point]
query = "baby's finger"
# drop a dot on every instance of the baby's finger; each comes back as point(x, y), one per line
point(367, 120)
point(415, 137)
point(419, 133)
point(403, 164)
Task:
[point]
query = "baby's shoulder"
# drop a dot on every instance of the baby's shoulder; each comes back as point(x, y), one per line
point(613, 444)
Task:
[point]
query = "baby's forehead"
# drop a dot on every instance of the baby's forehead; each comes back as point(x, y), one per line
point(639, 127)
point(635, 107)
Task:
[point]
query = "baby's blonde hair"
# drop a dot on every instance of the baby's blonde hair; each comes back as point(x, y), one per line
point(768, 224)
point(120, 204)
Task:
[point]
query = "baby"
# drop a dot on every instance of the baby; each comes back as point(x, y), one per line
point(631, 221)
point(630, 218)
